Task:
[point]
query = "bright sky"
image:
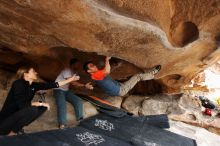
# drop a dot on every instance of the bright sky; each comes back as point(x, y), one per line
point(212, 80)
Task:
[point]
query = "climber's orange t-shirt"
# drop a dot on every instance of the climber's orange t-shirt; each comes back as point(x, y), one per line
point(99, 75)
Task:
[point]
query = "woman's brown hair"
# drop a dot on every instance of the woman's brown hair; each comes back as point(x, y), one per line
point(22, 70)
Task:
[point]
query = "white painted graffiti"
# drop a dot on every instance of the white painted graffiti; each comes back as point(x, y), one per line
point(104, 124)
point(150, 144)
point(89, 138)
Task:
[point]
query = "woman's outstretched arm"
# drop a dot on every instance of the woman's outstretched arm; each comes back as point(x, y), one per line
point(50, 85)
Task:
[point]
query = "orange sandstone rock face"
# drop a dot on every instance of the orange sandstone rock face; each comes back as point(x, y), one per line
point(182, 36)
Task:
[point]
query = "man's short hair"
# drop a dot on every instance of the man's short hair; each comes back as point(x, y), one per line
point(73, 61)
point(85, 65)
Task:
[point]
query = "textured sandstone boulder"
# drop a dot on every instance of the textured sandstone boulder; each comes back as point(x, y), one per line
point(133, 104)
point(181, 36)
point(151, 105)
point(157, 105)
point(115, 101)
point(185, 108)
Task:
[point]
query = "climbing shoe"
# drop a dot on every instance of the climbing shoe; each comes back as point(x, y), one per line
point(156, 69)
point(153, 70)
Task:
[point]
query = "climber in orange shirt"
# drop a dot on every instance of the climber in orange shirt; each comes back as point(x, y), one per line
point(112, 87)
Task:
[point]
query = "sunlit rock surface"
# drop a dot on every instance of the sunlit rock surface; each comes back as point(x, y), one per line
point(181, 36)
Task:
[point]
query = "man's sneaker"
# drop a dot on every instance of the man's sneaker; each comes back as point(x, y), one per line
point(63, 126)
point(21, 132)
point(154, 70)
point(149, 74)
point(80, 119)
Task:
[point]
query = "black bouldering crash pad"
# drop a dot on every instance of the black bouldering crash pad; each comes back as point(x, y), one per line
point(145, 130)
point(104, 130)
point(77, 136)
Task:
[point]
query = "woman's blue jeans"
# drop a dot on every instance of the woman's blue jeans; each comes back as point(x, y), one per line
point(61, 98)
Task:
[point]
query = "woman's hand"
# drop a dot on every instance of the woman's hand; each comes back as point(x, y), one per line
point(41, 104)
point(46, 105)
